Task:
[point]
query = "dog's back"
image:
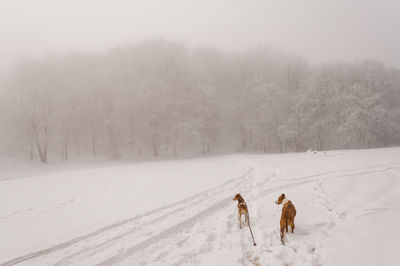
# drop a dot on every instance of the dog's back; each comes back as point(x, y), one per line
point(242, 206)
point(289, 211)
point(288, 214)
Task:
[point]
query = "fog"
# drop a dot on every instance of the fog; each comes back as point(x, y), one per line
point(318, 30)
point(176, 78)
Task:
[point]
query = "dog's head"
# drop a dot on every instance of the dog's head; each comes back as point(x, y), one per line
point(280, 199)
point(237, 197)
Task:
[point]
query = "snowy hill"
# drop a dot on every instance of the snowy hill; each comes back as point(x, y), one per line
point(181, 212)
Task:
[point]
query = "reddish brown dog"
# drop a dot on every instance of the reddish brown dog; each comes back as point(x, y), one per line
point(288, 214)
point(242, 209)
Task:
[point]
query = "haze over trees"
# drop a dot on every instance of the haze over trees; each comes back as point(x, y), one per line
point(160, 98)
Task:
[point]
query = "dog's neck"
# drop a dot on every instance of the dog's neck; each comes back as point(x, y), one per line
point(285, 200)
point(241, 201)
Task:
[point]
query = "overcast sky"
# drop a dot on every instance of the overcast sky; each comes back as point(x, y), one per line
point(320, 30)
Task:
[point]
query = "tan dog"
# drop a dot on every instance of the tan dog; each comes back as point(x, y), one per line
point(288, 214)
point(242, 209)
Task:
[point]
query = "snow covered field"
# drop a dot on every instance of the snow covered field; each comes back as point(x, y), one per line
point(181, 212)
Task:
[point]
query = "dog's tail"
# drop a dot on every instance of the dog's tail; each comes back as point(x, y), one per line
point(251, 232)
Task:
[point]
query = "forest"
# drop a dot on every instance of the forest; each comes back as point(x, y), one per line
point(158, 98)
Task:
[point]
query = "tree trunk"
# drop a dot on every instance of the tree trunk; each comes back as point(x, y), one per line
point(31, 148)
point(93, 141)
point(42, 151)
point(66, 149)
point(66, 142)
point(155, 147)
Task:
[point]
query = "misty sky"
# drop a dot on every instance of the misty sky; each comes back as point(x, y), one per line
point(317, 29)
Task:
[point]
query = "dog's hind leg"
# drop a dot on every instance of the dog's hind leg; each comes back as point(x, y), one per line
point(286, 225)
point(240, 220)
point(291, 223)
point(282, 231)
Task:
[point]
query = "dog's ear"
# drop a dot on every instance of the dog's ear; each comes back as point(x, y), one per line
point(280, 199)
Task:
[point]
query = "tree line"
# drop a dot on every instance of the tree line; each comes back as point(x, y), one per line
point(160, 98)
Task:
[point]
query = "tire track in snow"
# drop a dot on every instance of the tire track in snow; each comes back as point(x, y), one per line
point(177, 228)
point(199, 200)
point(101, 230)
point(166, 233)
point(394, 164)
point(309, 179)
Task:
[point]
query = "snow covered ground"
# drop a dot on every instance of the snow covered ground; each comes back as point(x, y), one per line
point(181, 212)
